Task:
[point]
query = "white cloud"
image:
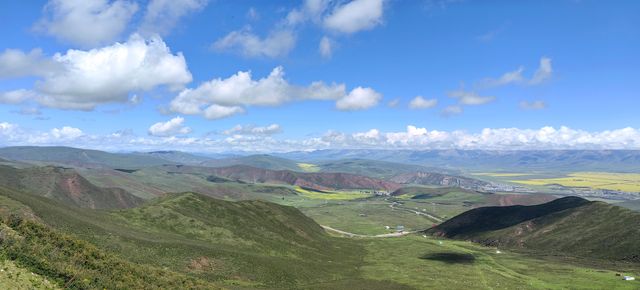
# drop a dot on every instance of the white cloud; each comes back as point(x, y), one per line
point(488, 139)
point(83, 80)
point(469, 98)
point(66, 132)
point(355, 16)
point(87, 22)
point(278, 43)
point(543, 73)
point(162, 15)
point(253, 130)
point(215, 111)
point(421, 103)
point(326, 47)
point(310, 10)
point(413, 137)
point(359, 99)
point(172, 127)
point(535, 105)
point(16, 63)
point(16, 96)
point(512, 77)
point(220, 98)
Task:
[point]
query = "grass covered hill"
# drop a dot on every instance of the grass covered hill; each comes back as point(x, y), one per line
point(79, 157)
point(263, 161)
point(372, 168)
point(192, 238)
point(569, 226)
point(431, 178)
point(313, 180)
point(65, 185)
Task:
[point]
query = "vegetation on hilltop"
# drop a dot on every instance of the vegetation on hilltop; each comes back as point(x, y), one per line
point(65, 185)
point(569, 226)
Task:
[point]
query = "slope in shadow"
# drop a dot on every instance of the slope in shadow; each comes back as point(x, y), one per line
point(498, 217)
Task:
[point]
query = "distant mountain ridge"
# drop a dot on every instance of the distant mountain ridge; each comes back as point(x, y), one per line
point(314, 180)
point(494, 160)
point(79, 157)
point(565, 226)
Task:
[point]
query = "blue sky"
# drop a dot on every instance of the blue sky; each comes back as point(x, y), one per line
point(165, 74)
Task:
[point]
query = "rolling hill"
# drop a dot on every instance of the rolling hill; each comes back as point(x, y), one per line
point(431, 178)
point(67, 186)
point(263, 161)
point(373, 168)
point(79, 157)
point(186, 238)
point(569, 226)
point(177, 157)
point(315, 180)
point(491, 160)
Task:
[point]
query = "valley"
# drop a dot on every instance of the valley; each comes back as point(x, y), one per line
point(239, 227)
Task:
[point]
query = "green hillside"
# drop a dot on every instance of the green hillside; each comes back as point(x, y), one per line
point(79, 157)
point(569, 226)
point(372, 168)
point(263, 161)
point(251, 243)
point(65, 185)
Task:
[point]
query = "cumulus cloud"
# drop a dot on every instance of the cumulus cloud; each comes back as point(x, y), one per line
point(16, 96)
point(253, 130)
point(278, 43)
point(325, 47)
point(345, 18)
point(470, 98)
point(421, 103)
point(66, 132)
point(310, 10)
point(359, 99)
point(355, 16)
point(86, 22)
point(488, 139)
point(16, 63)
point(413, 137)
point(82, 80)
point(215, 111)
point(172, 127)
point(219, 98)
point(535, 105)
point(162, 15)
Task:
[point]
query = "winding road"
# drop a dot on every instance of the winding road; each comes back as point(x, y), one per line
point(352, 235)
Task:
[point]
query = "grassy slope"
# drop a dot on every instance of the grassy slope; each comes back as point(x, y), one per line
point(65, 185)
point(427, 263)
point(567, 226)
point(632, 205)
point(371, 168)
point(259, 161)
point(17, 278)
point(250, 243)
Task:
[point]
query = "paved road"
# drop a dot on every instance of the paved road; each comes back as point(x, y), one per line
point(390, 235)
